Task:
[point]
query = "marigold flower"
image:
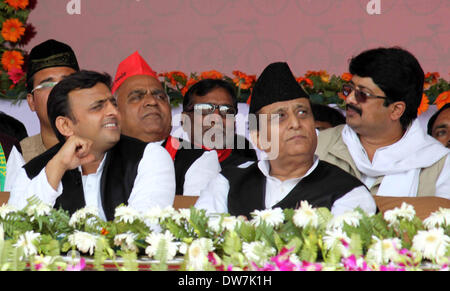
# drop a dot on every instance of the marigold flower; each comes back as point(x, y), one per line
point(243, 80)
point(347, 77)
point(12, 60)
point(12, 30)
point(424, 104)
point(442, 99)
point(211, 75)
point(17, 4)
point(189, 83)
point(307, 81)
point(324, 76)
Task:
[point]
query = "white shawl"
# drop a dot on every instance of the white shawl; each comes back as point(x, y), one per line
point(399, 163)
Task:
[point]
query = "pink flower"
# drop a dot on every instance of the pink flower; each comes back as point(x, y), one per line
point(391, 267)
point(352, 264)
point(78, 267)
point(16, 75)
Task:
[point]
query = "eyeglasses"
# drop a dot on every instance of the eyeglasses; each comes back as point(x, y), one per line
point(208, 108)
point(45, 85)
point(360, 96)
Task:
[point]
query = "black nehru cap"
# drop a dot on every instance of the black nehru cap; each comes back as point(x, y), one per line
point(51, 53)
point(275, 84)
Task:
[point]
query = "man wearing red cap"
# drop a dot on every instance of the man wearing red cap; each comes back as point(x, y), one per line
point(146, 115)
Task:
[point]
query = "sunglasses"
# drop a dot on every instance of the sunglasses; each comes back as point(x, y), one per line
point(45, 85)
point(208, 108)
point(360, 96)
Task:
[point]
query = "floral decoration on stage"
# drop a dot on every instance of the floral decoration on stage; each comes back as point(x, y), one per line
point(15, 34)
point(39, 238)
point(322, 87)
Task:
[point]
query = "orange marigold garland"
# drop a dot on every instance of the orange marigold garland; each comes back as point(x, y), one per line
point(17, 4)
point(15, 32)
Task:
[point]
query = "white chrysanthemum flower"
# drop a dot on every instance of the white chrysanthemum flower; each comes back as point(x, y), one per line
point(218, 223)
point(432, 243)
point(82, 214)
point(126, 214)
point(440, 218)
point(337, 237)
point(83, 241)
point(305, 215)
point(351, 218)
point(182, 214)
point(156, 241)
point(168, 212)
point(6, 209)
point(126, 241)
point(272, 217)
point(384, 251)
point(406, 211)
point(257, 251)
point(153, 215)
point(198, 254)
point(27, 242)
point(39, 210)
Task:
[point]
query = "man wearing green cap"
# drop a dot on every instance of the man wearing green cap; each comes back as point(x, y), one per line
point(47, 64)
point(291, 173)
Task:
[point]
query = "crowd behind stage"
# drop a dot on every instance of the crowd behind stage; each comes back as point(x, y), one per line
point(107, 141)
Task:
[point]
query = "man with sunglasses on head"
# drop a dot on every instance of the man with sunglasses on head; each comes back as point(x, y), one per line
point(382, 142)
point(47, 64)
point(147, 116)
point(209, 111)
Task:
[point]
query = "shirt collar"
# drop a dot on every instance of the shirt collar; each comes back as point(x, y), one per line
point(264, 167)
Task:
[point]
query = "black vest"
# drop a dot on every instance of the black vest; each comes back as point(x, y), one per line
point(239, 156)
point(119, 172)
point(321, 188)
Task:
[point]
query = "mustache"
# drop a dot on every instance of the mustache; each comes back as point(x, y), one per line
point(354, 108)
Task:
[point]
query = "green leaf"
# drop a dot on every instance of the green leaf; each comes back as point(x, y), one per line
point(232, 243)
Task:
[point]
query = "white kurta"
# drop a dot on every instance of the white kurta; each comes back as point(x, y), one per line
point(214, 199)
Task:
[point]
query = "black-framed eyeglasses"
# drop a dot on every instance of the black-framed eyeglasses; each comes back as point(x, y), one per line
point(360, 96)
point(209, 108)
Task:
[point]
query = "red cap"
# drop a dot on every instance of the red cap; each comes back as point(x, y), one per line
point(132, 66)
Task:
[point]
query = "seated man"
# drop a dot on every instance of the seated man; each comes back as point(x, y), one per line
point(326, 117)
point(47, 64)
point(209, 110)
point(439, 125)
point(93, 165)
point(146, 115)
point(383, 143)
point(293, 173)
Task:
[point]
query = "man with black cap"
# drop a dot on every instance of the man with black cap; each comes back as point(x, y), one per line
point(292, 173)
point(48, 63)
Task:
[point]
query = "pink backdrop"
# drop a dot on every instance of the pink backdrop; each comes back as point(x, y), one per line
point(226, 35)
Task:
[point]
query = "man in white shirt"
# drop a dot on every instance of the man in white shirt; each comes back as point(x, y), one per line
point(292, 172)
point(93, 165)
point(48, 63)
point(146, 115)
point(383, 143)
